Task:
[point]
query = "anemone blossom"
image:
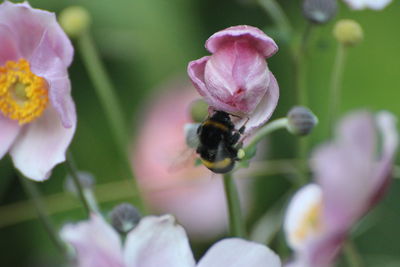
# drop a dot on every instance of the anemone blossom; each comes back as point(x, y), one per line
point(37, 113)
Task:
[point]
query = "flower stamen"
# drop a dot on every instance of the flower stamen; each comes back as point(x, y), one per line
point(23, 95)
point(310, 222)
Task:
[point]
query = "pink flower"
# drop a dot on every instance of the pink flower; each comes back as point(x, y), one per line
point(168, 179)
point(349, 181)
point(157, 241)
point(371, 4)
point(236, 78)
point(37, 113)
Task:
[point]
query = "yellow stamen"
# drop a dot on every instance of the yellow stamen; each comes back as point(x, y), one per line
point(310, 223)
point(23, 95)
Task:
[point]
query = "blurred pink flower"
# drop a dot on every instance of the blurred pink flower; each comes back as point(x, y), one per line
point(372, 4)
point(236, 78)
point(349, 181)
point(37, 113)
point(192, 193)
point(157, 241)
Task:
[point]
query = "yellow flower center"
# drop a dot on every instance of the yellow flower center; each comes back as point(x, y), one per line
point(23, 95)
point(310, 223)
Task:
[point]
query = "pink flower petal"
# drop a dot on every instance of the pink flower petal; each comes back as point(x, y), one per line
point(238, 76)
point(45, 63)
point(158, 241)
point(8, 46)
point(196, 70)
point(29, 26)
point(386, 123)
point(258, 39)
point(8, 133)
point(265, 108)
point(347, 165)
point(61, 100)
point(95, 242)
point(235, 252)
point(42, 145)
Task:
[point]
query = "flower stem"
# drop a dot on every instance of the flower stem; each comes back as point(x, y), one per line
point(264, 131)
point(236, 224)
point(273, 9)
point(109, 101)
point(75, 177)
point(336, 82)
point(32, 191)
point(104, 88)
point(352, 256)
point(299, 54)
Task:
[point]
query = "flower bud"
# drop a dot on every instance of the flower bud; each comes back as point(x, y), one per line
point(301, 121)
point(348, 32)
point(319, 11)
point(86, 180)
point(124, 217)
point(74, 20)
point(198, 110)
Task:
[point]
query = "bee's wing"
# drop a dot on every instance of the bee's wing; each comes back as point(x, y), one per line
point(184, 159)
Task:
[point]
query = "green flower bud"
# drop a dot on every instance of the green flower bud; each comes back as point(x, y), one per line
point(124, 217)
point(199, 110)
point(301, 121)
point(348, 32)
point(319, 11)
point(74, 20)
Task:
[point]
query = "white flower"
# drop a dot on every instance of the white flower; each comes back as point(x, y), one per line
point(157, 242)
point(351, 177)
point(372, 4)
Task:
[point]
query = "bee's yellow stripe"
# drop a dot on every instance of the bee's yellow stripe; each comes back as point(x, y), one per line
point(217, 164)
point(215, 124)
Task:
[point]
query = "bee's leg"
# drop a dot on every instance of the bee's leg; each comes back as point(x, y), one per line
point(241, 130)
point(234, 138)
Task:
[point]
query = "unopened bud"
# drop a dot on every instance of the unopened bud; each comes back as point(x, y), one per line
point(124, 217)
point(348, 32)
point(198, 110)
point(191, 137)
point(301, 121)
point(74, 20)
point(319, 11)
point(86, 180)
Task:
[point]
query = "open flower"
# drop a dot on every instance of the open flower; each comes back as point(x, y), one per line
point(236, 78)
point(372, 4)
point(37, 114)
point(157, 241)
point(349, 181)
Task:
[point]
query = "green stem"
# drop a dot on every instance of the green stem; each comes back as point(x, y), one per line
point(109, 101)
point(75, 177)
point(104, 88)
point(352, 256)
point(336, 82)
point(31, 190)
point(236, 224)
point(273, 9)
point(264, 131)
point(299, 54)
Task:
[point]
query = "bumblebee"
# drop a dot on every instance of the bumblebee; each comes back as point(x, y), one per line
point(218, 142)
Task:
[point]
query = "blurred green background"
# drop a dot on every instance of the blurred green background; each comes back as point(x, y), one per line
point(146, 42)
